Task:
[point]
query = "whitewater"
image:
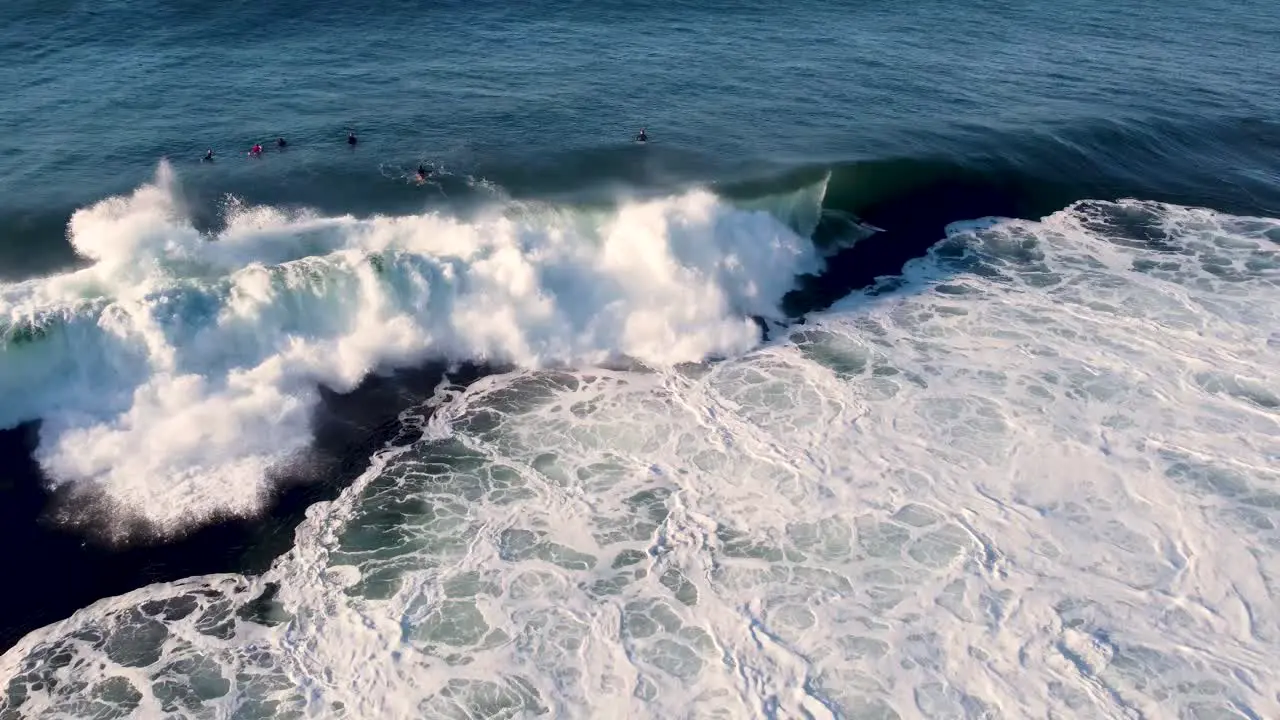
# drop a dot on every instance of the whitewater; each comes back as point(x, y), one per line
point(1032, 476)
point(177, 368)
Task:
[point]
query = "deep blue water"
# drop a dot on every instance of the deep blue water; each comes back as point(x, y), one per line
point(99, 91)
point(924, 111)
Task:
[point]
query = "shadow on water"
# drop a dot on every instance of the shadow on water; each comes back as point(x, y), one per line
point(57, 569)
point(912, 201)
point(33, 244)
point(910, 221)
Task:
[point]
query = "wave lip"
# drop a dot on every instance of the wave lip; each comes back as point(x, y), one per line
point(174, 371)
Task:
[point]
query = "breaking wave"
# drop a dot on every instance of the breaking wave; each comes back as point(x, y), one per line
point(1032, 476)
point(172, 373)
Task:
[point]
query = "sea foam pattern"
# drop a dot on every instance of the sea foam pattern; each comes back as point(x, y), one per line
point(1034, 477)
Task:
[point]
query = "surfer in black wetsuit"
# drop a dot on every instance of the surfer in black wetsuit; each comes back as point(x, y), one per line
point(280, 143)
point(208, 155)
point(351, 137)
point(642, 137)
point(422, 172)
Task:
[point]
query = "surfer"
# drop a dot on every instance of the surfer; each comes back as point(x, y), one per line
point(642, 137)
point(256, 150)
point(280, 143)
point(422, 172)
point(351, 137)
point(208, 155)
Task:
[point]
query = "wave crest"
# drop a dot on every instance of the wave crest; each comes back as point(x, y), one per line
point(174, 371)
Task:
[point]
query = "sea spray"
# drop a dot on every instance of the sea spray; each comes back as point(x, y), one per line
point(172, 373)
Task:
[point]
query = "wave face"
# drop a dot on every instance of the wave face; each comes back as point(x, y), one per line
point(1031, 477)
point(178, 368)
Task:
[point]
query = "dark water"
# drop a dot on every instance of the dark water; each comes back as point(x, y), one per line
point(923, 112)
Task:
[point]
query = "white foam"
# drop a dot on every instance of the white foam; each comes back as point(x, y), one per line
point(1037, 480)
point(176, 369)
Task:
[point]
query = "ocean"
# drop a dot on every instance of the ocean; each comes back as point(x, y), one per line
point(923, 363)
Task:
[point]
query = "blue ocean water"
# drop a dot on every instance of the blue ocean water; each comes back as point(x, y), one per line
point(100, 91)
point(707, 390)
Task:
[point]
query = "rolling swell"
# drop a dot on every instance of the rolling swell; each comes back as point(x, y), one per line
point(1230, 167)
point(1229, 164)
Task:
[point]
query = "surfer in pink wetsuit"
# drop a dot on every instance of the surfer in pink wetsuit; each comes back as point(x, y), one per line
point(256, 150)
